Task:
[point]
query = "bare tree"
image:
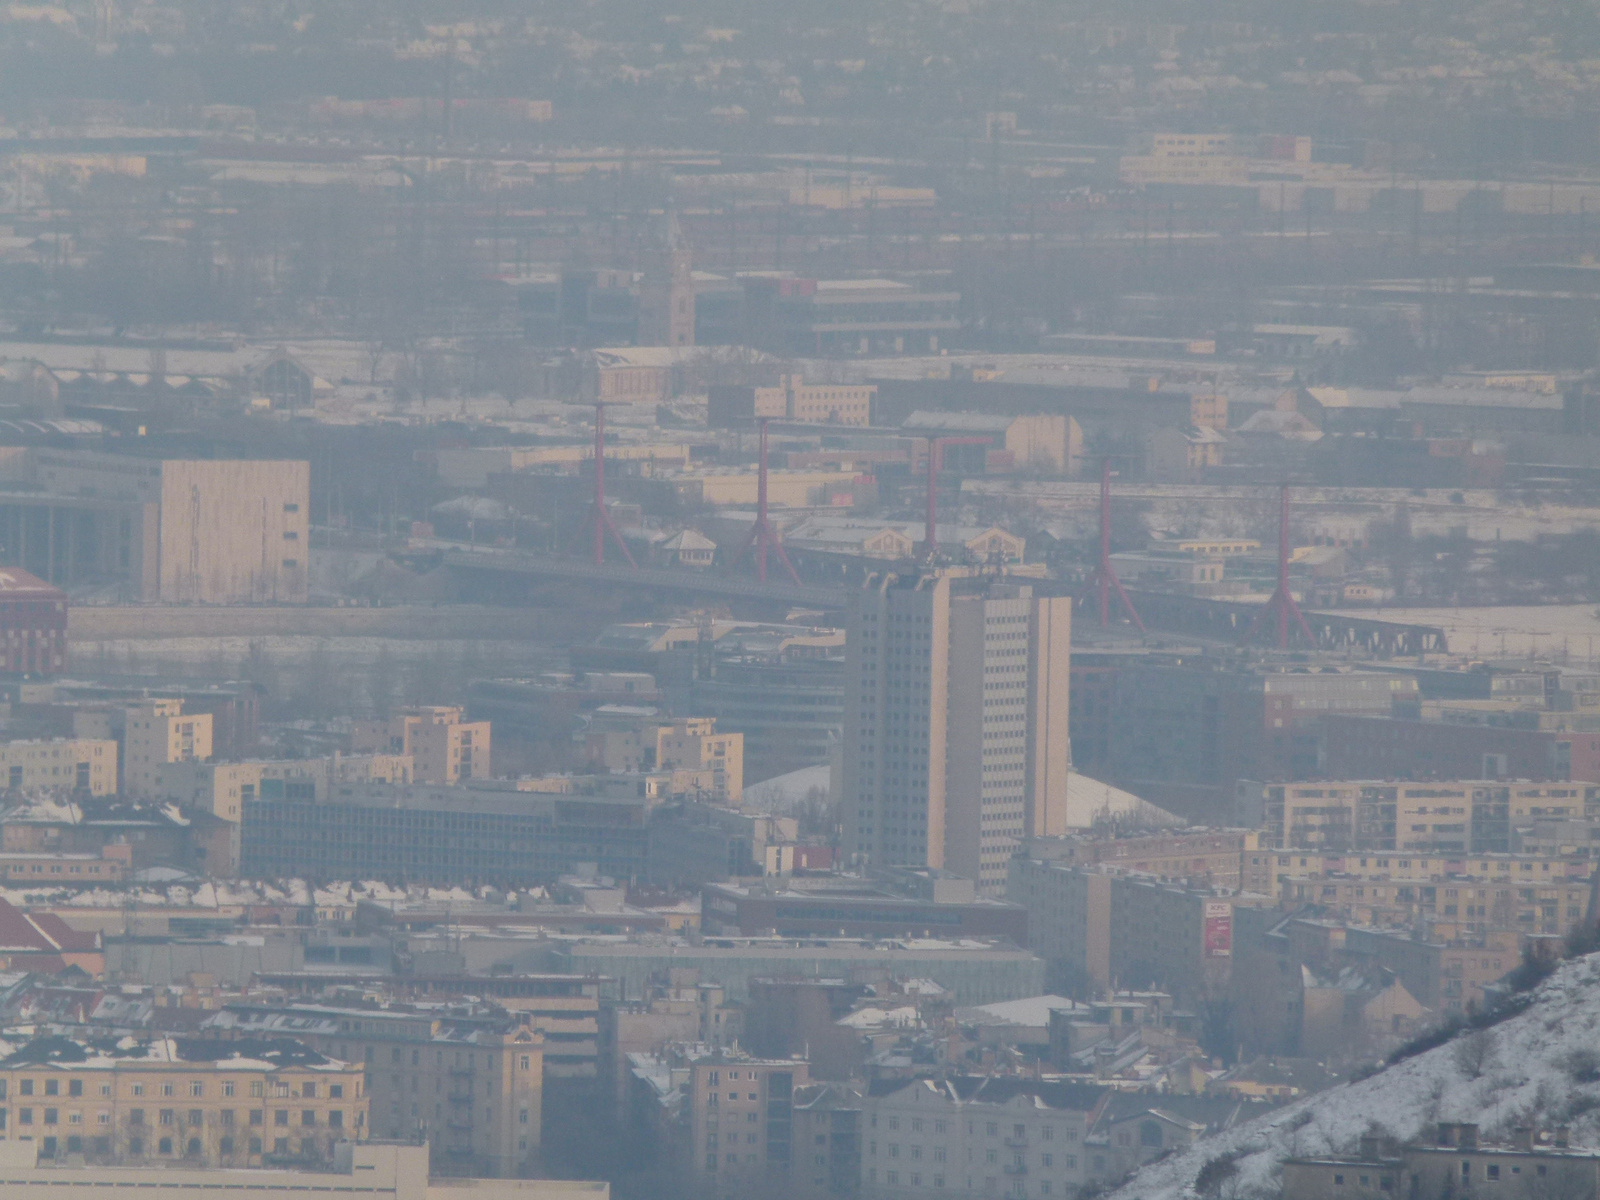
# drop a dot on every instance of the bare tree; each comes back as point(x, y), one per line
point(1474, 1053)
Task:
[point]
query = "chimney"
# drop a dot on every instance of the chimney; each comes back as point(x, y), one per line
point(1563, 1139)
point(1522, 1138)
point(1467, 1135)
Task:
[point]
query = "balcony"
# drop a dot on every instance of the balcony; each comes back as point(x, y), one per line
point(1015, 1168)
point(1017, 1142)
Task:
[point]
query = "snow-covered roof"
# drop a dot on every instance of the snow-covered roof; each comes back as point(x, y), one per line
point(689, 539)
point(1031, 1012)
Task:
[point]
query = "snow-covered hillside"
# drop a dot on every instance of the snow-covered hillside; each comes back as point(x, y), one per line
point(1540, 1067)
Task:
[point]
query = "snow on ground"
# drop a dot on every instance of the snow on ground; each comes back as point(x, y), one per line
point(1541, 1067)
point(1565, 632)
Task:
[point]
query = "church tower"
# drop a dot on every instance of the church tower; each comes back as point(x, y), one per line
point(666, 293)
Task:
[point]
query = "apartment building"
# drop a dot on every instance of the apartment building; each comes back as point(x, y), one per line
point(384, 1171)
point(193, 1101)
point(1451, 1161)
point(956, 740)
point(1542, 906)
point(468, 1078)
point(1460, 816)
point(1102, 925)
point(157, 733)
point(675, 1008)
point(85, 765)
point(443, 748)
point(213, 795)
point(827, 1131)
point(1448, 971)
point(112, 865)
point(980, 1136)
point(792, 399)
point(222, 789)
point(741, 1120)
point(1069, 917)
point(694, 744)
point(444, 834)
point(614, 742)
point(1174, 938)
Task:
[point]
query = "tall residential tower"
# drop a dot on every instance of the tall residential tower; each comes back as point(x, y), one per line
point(956, 744)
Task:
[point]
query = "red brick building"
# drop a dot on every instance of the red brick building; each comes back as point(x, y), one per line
point(33, 622)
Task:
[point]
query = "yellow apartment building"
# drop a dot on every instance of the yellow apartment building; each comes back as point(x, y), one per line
point(693, 743)
point(195, 1101)
point(158, 733)
point(66, 764)
point(473, 1086)
point(443, 748)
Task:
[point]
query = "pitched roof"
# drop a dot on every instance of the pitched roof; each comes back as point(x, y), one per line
point(15, 583)
point(982, 1089)
point(39, 933)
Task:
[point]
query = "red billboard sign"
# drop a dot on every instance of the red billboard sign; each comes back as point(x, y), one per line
point(1218, 929)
